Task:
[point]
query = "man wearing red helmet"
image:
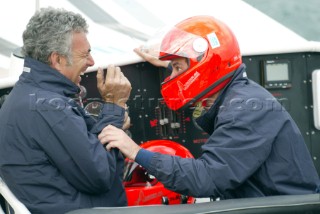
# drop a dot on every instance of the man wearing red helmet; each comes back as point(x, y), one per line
point(255, 148)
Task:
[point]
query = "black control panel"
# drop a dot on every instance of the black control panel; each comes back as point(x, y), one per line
point(150, 118)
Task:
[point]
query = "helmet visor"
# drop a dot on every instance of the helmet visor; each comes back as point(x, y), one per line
point(136, 176)
point(179, 43)
point(167, 45)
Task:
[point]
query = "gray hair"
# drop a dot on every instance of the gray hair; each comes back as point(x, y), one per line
point(50, 30)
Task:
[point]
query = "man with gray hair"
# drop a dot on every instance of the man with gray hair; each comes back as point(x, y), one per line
point(50, 155)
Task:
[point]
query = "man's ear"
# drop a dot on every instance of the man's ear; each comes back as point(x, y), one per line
point(56, 60)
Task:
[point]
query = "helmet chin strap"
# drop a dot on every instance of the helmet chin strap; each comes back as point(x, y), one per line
point(208, 102)
point(204, 105)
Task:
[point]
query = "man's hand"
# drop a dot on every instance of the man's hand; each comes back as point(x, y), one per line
point(115, 87)
point(117, 138)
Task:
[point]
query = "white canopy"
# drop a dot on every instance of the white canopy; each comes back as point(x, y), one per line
point(118, 26)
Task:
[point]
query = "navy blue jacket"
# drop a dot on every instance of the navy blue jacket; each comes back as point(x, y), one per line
point(50, 156)
point(255, 149)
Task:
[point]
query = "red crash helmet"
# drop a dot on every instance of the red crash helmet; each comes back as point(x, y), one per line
point(144, 189)
point(213, 55)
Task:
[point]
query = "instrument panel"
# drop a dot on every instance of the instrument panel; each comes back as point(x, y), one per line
point(150, 118)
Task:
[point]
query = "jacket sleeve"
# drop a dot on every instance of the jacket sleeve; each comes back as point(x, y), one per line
point(76, 152)
point(232, 153)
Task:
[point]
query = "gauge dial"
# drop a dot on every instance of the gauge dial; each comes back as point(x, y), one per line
point(94, 108)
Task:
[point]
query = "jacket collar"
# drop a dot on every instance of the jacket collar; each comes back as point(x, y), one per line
point(206, 121)
point(48, 78)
